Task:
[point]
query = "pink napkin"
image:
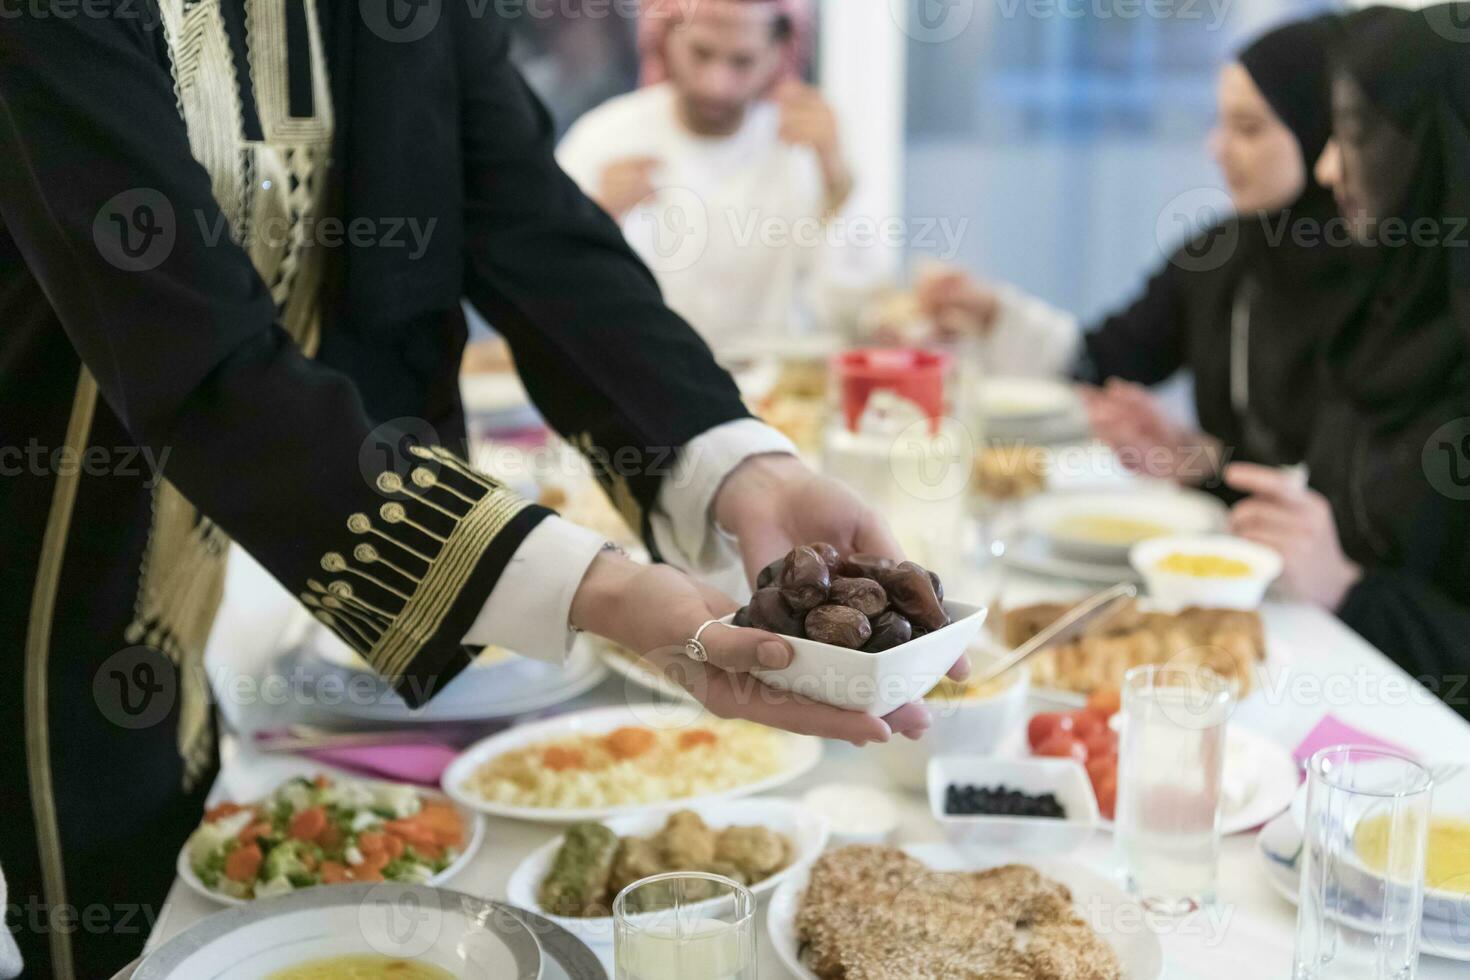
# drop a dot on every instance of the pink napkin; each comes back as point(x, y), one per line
point(420, 762)
point(1333, 731)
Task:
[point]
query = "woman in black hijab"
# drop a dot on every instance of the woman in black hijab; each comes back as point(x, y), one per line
point(1384, 535)
point(1242, 305)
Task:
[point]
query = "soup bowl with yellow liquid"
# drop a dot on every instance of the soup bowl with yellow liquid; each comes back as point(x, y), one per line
point(1100, 526)
point(1446, 858)
point(1214, 570)
point(387, 931)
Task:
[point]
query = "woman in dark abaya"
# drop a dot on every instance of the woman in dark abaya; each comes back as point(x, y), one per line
point(1383, 535)
point(1241, 305)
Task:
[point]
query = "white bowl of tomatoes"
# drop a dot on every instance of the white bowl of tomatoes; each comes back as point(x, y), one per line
point(1087, 736)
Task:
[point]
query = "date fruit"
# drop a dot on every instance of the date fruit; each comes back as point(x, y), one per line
point(771, 574)
point(840, 626)
point(805, 581)
point(863, 565)
point(862, 594)
point(912, 593)
point(769, 611)
point(889, 630)
point(827, 553)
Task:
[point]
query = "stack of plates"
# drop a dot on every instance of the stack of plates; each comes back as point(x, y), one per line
point(1039, 410)
point(498, 685)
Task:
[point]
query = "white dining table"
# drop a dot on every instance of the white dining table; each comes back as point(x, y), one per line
point(1249, 931)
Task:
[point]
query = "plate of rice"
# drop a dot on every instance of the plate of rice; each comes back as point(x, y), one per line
point(608, 762)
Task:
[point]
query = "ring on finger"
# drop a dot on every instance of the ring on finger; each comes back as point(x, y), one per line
point(694, 648)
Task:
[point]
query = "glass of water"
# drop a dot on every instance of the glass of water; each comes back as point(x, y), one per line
point(1170, 758)
point(683, 925)
point(1363, 852)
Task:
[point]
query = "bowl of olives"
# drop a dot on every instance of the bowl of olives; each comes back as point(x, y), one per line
point(869, 633)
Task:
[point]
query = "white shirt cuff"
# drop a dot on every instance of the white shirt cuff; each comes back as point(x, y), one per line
point(1030, 336)
point(683, 521)
point(529, 610)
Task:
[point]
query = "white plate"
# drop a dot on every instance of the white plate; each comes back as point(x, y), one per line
point(1018, 398)
point(800, 753)
point(463, 935)
point(1278, 847)
point(1031, 553)
point(472, 821)
point(505, 689)
point(1174, 511)
point(1093, 895)
point(636, 674)
point(806, 829)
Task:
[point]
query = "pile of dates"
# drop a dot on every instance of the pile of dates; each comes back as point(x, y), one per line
point(862, 602)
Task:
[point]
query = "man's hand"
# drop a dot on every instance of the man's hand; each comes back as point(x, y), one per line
point(807, 120)
point(654, 609)
point(1296, 521)
point(774, 503)
point(956, 303)
point(624, 183)
point(1131, 421)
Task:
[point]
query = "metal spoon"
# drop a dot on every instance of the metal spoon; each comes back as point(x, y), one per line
point(1068, 625)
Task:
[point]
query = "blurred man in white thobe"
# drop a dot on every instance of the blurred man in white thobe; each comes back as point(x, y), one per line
point(728, 175)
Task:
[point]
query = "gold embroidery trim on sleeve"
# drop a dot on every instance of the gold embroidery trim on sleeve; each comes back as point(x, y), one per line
point(389, 593)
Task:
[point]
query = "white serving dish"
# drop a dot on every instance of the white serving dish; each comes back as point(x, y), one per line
point(972, 726)
point(801, 754)
point(1063, 777)
point(462, 935)
point(1097, 900)
point(856, 814)
point(475, 837)
point(807, 830)
point(1017, 398)
point(1176, 511)
point(876, 683)
point(1175, 591)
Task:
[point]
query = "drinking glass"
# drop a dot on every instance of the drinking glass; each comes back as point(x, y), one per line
point(684, 925)
point(1170, 759)
point(1363, 846)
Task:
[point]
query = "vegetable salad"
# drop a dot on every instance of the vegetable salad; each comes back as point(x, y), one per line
point(322, 832)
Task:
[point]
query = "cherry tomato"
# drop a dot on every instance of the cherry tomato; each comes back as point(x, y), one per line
point(1106, 701)
point(1101, 765)
point(1106, 789)
point(1101, 743)
point(1086, 724)
point(1062, 745)
point(1043, 726)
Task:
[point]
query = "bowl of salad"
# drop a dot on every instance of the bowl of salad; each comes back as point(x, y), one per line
point(325, 830)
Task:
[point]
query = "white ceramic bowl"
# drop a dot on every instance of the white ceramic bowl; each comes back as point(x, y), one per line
point(1175, 590)
point(1063, 777)
point(877, 683)
point(806, 828)
point(971, 726)
point(1173, 511)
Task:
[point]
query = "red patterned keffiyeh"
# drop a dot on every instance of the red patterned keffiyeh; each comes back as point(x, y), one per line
point(659, 17)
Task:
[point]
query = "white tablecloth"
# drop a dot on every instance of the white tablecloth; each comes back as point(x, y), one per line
point(1249, 933)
